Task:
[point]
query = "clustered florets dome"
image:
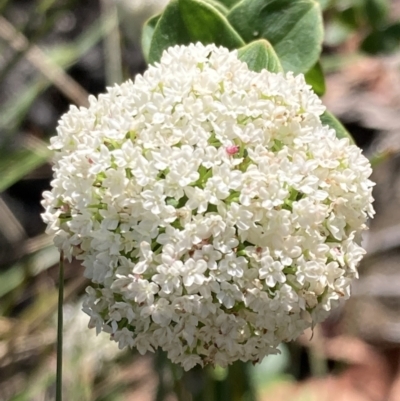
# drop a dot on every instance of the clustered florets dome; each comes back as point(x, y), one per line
point(214, 214)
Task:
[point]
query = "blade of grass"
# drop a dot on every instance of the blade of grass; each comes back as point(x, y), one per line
point(14, 111)
point(67, 54)
point(14, 279)
point(15, 165)
point(39, 255)
point(11, 279)
point(34, 316)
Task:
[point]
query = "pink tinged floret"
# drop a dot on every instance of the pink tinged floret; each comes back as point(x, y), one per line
point(232, 150)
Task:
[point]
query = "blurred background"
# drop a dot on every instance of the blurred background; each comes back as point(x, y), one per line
point(54, 53)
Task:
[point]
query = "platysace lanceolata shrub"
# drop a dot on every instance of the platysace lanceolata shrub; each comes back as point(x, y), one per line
point(213, 212)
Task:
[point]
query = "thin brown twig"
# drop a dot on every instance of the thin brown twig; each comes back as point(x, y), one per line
point(112, 43)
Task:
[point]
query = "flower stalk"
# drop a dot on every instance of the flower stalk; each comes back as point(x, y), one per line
point(60, 328)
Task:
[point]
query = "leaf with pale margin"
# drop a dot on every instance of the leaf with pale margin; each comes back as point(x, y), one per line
point(207, 25)
point(331, 121)
point(190, 21)
point(147, 35)
point(315, 78)
point(324, 4)
point(219, 6)
point(260, 55)
point(228, 3)
point(170, 30)
point(293, 27)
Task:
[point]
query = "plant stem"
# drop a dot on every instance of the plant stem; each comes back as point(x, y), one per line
point(60, 328)
point(181, 392)
point(316, 357)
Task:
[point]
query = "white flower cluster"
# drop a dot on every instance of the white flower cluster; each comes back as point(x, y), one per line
point(214, 213)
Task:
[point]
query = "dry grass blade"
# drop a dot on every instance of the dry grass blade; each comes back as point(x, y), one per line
point(37, 243)
point(68, 86)
point(11, 228)
point(13, 112)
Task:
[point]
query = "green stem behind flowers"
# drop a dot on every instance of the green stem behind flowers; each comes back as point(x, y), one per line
point(181, 392)
point(60, 328)
point(239, 381)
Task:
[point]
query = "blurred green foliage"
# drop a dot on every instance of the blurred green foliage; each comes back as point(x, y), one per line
point(370, 20)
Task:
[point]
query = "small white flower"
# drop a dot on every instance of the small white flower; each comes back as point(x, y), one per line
point(229, 294)
point(222, 181)
point(192, 272)
point(146, 258)
point(271, 271)
point(239, 216)
point(197, 198)
point(162, 313)
point(234, 266)
point(154, 198)
point(209, 255)
point(124, 338)
point(168, 277)
point(142, 291)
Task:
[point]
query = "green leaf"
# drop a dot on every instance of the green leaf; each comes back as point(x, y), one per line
point(329, 119)
point(376, 12)
point(323, 4)
point(147, 34)
point(206, 24)
point(186, 21)
point(293, 27)
point(315, 78)
point(382, 41)
point(260, 55)
point(351, 17)
point(169, 31)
